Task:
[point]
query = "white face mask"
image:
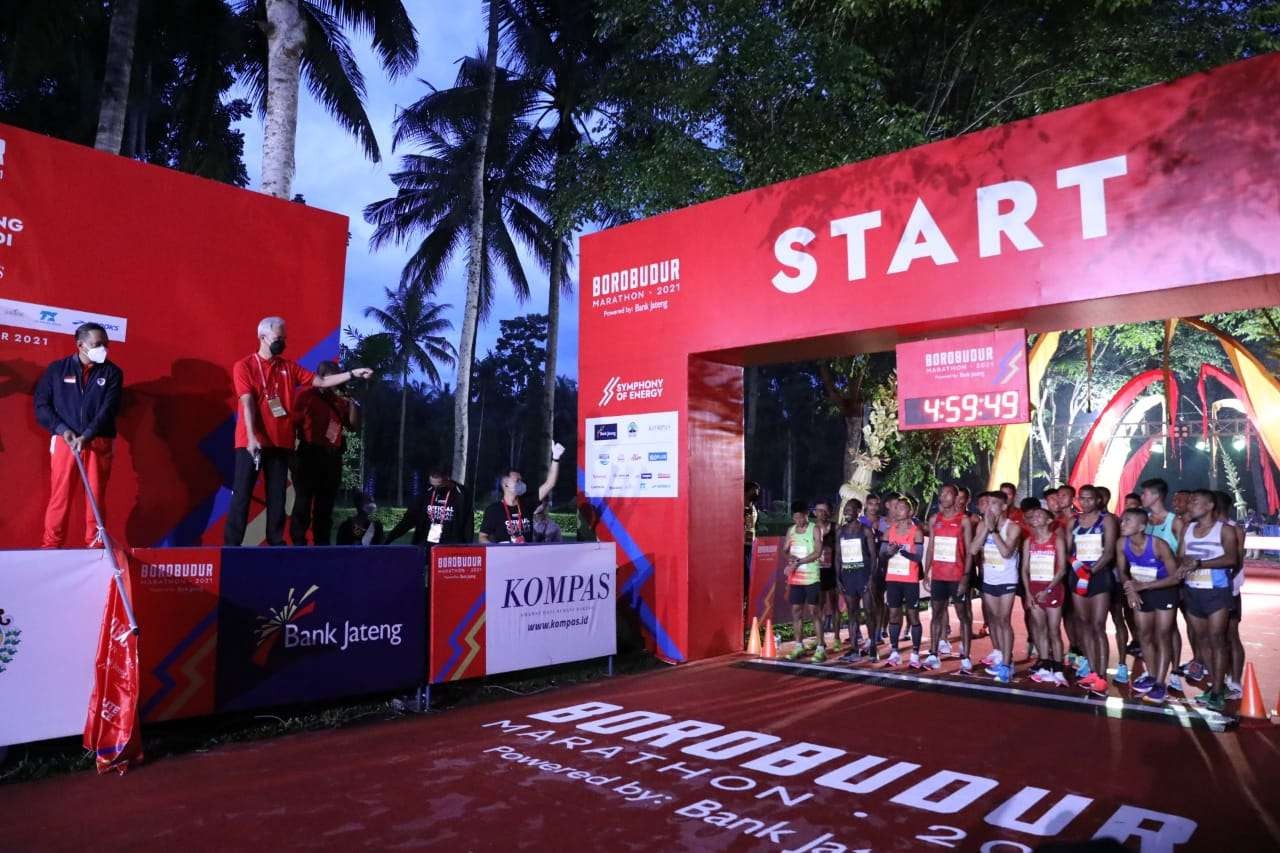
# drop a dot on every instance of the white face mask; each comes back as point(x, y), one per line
point(97, 355)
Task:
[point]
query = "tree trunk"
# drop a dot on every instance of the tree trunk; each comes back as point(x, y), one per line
point(115, 79)
point(475, 260)
point(751, 379)
point(286, 37)
point(479, 437)
point(790, 467)
point(548, 427)
point(404, 406)
point(852, 444)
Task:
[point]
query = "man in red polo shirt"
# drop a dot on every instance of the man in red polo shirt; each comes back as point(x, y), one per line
point(266, 386)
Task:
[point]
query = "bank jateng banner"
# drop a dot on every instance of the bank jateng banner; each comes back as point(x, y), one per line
point(50, 615)
point(326, 622)
point(505, 607)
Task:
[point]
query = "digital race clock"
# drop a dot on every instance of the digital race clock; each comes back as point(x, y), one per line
point(971, 380)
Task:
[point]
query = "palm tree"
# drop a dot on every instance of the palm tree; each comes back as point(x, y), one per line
point(560, 52)
point(115, 79)
point(376, 352)
point(434, 199)
point(414, 325)
point(289, 38)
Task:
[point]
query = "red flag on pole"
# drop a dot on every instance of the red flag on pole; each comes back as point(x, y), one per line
point(112, 730)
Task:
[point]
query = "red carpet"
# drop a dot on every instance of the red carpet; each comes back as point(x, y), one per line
point(962, 771)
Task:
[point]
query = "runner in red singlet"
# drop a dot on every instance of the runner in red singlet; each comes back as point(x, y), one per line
point(946, 572)
point(903, 550)
point(1044, 568)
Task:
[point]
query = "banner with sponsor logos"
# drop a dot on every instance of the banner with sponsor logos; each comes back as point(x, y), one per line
point(318, 623)
point(504, 608)
point(1065, 220)
point(51, 605)
point(179, 270)
point(633, 456)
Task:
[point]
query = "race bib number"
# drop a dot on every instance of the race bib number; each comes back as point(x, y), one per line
point(944, 549)
point(1200, 579)
point(1042, 566)
point(851, 552)
point(435, 533)
point(798, 550)
point(1145, 574)
point(1089, 547)
point(991, 555)
point(899, 567)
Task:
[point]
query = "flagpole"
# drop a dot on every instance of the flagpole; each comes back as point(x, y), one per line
point(106, 544)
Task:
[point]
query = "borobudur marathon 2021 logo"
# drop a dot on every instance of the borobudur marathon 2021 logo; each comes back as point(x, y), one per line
point(283, 629)
point(10, 638)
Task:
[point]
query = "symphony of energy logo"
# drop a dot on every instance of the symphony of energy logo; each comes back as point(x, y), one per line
point(9, 226)
point(10, 637)
point(617, 390)
point(284, 623)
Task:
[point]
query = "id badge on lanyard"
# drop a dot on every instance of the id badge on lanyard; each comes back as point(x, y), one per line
point(436, 531)
point(273, 400)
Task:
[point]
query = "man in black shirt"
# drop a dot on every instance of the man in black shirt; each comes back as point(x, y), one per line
point(440, 516)
point(511, 519)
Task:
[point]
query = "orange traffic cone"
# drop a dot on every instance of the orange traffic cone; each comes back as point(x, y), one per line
point(753, 643)
point(770, 647)
point(1251, 704)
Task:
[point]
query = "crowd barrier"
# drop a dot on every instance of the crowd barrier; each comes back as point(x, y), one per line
point(236, 629)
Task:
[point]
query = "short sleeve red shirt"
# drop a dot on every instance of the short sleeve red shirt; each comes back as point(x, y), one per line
point(319, 416)
point(264, 379)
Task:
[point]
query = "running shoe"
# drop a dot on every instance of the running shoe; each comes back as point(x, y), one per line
point(1195, 672)
point(914, 662)
point(1143, 684)
point(835, 646)
point(1216, 702)
point(850, 656)
point(1059, 680)
point(1202, 699)
point(995, 657)
point(966, 666)
point(1133, 650)
point(1175, 683)
point(1003, 674)
point(1083, 670)
point(1095, 684)
point(1071, 659)
point(1233, 690)
point(932, 662)
point(863, 643)
point(1122, 674)
point(1031, 650)
point(820, 654)
point(1042, 676)
point(1156, 695)
point(795, 653)
point(894, 659)
point(994, 668)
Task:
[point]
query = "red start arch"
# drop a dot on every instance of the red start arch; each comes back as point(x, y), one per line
point(1157, 203)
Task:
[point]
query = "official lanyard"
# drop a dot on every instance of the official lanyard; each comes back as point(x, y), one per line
point(519, 516)
point(266, 388)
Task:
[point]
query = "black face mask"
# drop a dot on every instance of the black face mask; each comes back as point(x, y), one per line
point(277, 346)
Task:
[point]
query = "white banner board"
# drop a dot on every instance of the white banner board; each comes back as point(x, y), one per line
point(51, 605)
point(633, 456)
point(549, 604)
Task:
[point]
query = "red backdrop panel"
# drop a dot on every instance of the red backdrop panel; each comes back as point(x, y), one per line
point(191, 266)
point(1160, 202)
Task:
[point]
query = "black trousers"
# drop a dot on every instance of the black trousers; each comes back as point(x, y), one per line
point(275, 467)
point(317, 476)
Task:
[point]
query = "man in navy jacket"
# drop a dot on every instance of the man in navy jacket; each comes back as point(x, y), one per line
point(76, 401)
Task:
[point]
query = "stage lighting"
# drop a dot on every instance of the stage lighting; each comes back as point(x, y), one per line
point(1238, 442)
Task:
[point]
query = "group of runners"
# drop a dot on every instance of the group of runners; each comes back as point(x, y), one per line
point(1072, 563)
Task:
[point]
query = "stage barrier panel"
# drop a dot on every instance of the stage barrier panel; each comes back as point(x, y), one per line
point(50, 615)
point(504, 608)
